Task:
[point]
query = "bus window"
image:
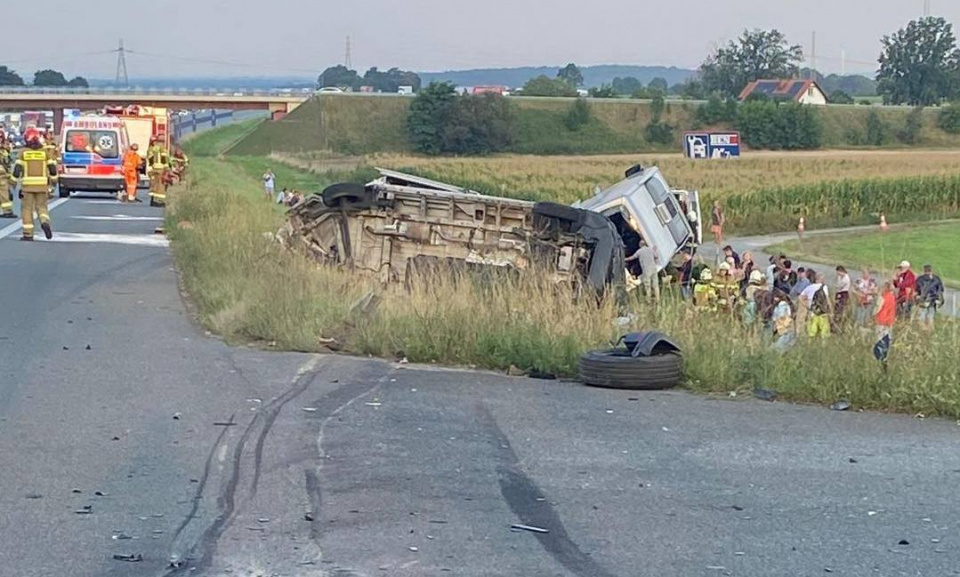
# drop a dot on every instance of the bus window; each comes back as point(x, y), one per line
point(103, 142)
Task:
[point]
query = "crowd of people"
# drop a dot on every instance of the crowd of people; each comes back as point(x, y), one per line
point(788, 302)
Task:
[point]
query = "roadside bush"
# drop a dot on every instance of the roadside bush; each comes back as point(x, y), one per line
point(765, 124)
point(440, 122)
point(949, 118)
point(425, 119)
point(877, 131)
point(657, 131)
point(912, 127)
point(840, 97)
point(603, 91)
point(716, 111)
point(578, 115)
point(545, 86)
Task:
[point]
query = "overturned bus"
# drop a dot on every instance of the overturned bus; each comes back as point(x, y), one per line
point(399, 224)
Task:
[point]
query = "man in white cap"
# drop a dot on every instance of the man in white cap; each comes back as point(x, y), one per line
point(906, 283)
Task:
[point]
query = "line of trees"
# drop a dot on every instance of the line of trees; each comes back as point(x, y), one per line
point(378, 80)
point(45, 77)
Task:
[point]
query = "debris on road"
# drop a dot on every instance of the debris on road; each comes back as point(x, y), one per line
point(132, 558)
point(310, 409)
point(34, 496)
point(85, 510)
point(121, 536)
point(414, 549)
point(852, 460)
point(76, 491)
point(373, 404)
point(841, 405)
point(530, 528)
point(308, 516)
point(176, 416)
point(903, 542)
point(224, 424)
point(765, 394)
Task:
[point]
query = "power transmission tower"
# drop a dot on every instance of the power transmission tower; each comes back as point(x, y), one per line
point(926, 8)
point(347, 60)
point(813, 57)
point(122, 79)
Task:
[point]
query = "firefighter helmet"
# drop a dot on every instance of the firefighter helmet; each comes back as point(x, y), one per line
point(31, 135)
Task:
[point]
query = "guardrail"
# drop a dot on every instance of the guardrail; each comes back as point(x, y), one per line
point(140, 91)
point(190, 123)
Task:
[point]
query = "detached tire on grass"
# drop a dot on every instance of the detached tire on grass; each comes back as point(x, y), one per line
point(347, 195)
point(618, 369)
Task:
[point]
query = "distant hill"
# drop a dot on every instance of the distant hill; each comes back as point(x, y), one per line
point(592, 75)
point(248, 82)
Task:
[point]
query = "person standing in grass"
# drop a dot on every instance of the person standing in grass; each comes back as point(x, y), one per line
point(818, 302)
point(747, 266)
point(906, 284)
point(865, 290)
point(686, 275)
point(802, 283)
point(269, 183)
point(929, 296)
point(885, 317)
point(717, 220)
point(842, 297)
point(783, 329)
point(649, 276)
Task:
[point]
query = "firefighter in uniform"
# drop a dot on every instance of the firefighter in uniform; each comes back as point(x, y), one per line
point(36, 173)
point(180, 162)
point(158, 160)
point(6, 200)
point(53, 152)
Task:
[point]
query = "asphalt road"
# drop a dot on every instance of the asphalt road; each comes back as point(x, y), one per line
point(233, 461)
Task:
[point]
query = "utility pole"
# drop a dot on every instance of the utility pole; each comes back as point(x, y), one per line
point(843, 62)
point(813, 56)
point(122, 79)
point(347, 60)
point(926, 8)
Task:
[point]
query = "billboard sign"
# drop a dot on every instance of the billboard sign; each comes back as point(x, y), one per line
point(711, 144)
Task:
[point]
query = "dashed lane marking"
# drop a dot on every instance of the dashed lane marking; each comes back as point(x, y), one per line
point(121, 218)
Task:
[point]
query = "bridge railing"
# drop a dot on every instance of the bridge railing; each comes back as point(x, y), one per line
point(142, 91)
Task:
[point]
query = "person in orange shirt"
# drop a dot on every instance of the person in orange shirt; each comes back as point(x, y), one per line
point(131, 173)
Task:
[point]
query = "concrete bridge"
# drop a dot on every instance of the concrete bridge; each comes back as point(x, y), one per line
point(277, 102)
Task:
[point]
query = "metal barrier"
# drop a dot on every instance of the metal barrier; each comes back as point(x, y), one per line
point(190, 123)
point(169, 91)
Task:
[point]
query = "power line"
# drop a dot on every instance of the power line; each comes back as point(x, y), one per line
point(221, 62)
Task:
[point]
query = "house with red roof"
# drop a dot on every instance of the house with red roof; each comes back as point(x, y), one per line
point(802, 91)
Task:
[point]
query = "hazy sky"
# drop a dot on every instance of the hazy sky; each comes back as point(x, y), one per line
point(280, 37)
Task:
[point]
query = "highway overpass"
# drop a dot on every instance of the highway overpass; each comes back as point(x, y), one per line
point(277, 103)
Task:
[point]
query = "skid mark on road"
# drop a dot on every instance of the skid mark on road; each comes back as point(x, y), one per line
point(532, 507)
point(153, 240)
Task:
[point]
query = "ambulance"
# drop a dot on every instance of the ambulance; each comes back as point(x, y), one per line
point(91, 154)
point(143, 124)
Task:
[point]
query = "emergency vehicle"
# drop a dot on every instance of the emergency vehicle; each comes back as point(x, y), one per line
point(91, 154)
point(143, 123)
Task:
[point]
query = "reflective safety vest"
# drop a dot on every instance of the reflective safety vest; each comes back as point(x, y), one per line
point(52, 150)
point(157, 158)
point(704, 296)
point(35, 170)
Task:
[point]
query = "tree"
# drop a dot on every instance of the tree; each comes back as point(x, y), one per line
point(841, 97)
point(545, 86)
point(391, 80)
point(659, 84)
point(49, 78)
point(478, 124)
point(9, 77)
point(779, 125)
point(756, 54)
point(626, 86)
point(912, 127)
point(428, 112)
point(949, 119)
point(603, 91)
point(578, 116)
point(441, 122)
point(658, 132)
point(572, 75)
point(919, 63)
point(79, 82)
point(876, 129)
point(339, 76)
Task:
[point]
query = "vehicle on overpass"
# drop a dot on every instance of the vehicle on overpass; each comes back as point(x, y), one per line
point(399, 225)
point(91, 154)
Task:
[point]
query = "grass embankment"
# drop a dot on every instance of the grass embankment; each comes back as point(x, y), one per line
point(248, 288)
point(359, 124)
point(934, 244)
point(215, 141)
point(763, 193)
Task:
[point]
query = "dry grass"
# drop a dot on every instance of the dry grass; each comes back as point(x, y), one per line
point(248, 288)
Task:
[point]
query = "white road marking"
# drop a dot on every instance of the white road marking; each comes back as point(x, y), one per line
point(131, 239)
point(12, 228)
point(121, 217)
